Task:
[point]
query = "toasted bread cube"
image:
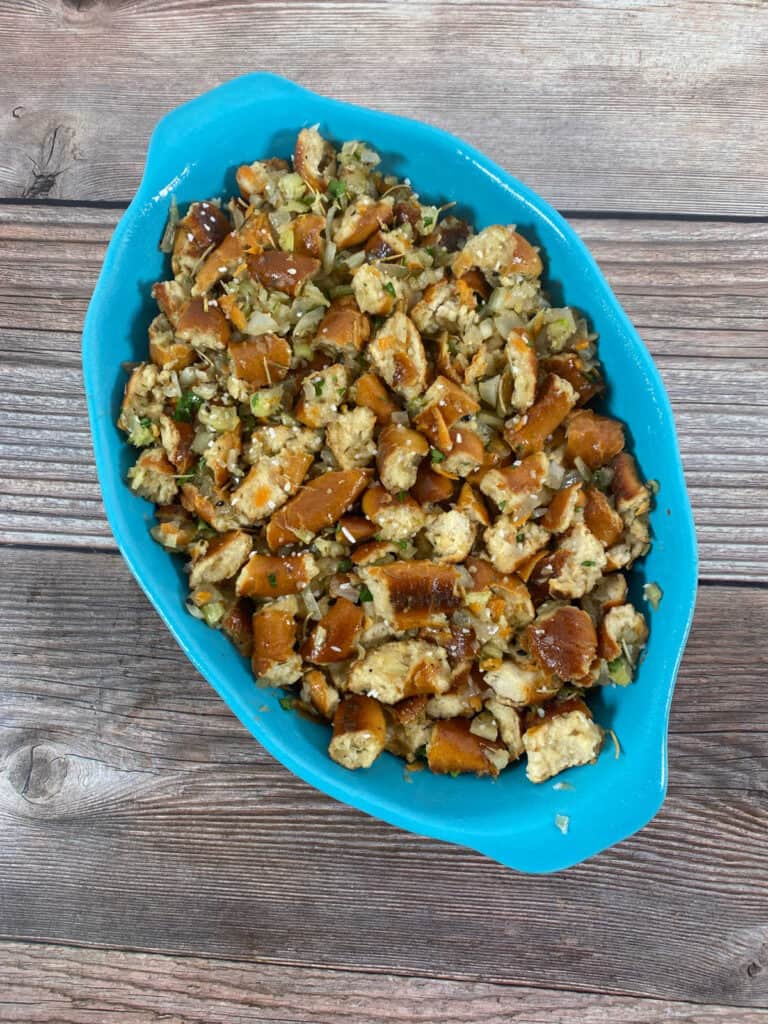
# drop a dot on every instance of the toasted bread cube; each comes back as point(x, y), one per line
point(222, 558)
point(581, 565)
point(282, 271)
point(204, 328)
point(273, 660)
point(521, 682)
point(563, 640)
point(400, 668)
point(350, 437)
point(412, 594)
point(515, 488)
point(623, 632)
point(511, 544)
point(566, 738)
point(171, 296)
point(451, 535)
point(397, 354)
point(153, 477)
point(370, 392)
point(528, 433)
point(561, 511)
point(334, 638)
point(510, 726)
point(498, 252)
point(270, 483)
point(343, 328)
point(359, 732)
point(270, 576)
point(261, 361)
point(454, 748)
point(361, 219)
point(314, 158)
point(593, 439)
point(375, 292)
point(400, 453)
point(321, 503)
point(321, 395)
point(524, 368)
point(601, 518)
point(319, 694)
point(203, 226)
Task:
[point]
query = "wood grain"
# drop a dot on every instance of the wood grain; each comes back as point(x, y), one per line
point(138, 813)
point(621, 106)
point(72, 985)
point(670, 276)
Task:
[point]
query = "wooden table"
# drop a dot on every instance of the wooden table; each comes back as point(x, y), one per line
point(155, 863)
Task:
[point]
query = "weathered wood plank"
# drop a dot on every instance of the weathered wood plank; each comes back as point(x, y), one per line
point(46, 984)
point(655, 107)
point(136, 812)
point(696, 291)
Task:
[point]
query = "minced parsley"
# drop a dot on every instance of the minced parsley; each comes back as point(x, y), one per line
point(389, 288)
point(365, 594)
point(272, 580)
point(436, 456)
point(336, 188)
point(318, 385)
point(186, 406)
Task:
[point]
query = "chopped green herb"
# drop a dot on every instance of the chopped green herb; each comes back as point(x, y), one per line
point(502, 506)
point(345, 565)
point(601, 478)
point(186, 406)
point(453, 348)
point(402, 544)
point(318, 385)
point(287, 703)
point(619, 671)
point(336, 188)
point(421, 751)
point(376, 322)
point(431, 250)
point(145, 422)
point(588, 564)
point(428, 221)
point(402, 496)
point(520, 537)
point(272, 580)
point(389, 288)
point(365, 594)
point(436, 456)
point(455, 775)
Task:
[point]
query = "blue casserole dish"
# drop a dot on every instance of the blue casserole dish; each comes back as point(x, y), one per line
point(192, 154)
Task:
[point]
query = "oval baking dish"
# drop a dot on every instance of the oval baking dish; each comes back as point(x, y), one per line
point(194, 152)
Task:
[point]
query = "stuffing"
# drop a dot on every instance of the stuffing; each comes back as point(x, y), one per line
point(451, 535)
point(401, 668)
point(566, 738)
point(350, 437)
point(370, 434)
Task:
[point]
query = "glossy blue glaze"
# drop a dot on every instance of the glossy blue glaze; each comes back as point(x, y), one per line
point(192, 154)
